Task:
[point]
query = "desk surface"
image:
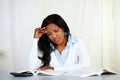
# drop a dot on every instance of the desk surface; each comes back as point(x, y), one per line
point(7, 76)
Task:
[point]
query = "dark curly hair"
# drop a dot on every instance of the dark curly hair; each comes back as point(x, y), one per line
point(44, 42)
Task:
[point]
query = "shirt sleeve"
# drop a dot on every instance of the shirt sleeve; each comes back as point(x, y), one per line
point(33, 61)
point(82, 59)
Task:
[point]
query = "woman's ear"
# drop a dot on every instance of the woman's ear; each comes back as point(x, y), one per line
point(66, 33)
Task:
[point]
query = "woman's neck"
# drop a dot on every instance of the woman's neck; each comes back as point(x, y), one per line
point(60, 47)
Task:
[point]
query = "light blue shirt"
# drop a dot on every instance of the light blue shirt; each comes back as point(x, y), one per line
point(61, 57)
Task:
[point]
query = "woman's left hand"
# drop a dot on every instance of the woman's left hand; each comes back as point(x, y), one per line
point(46, 68)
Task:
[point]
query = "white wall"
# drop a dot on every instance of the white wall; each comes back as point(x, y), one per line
point(116, 19)
point(6, 61)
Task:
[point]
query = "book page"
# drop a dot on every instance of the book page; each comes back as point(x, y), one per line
point(48, 72)
point(86, 72)
point(30, 71)
point(108, 71)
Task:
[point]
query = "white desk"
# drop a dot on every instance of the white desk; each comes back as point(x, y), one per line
point(7, 76)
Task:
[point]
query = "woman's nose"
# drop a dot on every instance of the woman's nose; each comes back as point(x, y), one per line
point(54, 35)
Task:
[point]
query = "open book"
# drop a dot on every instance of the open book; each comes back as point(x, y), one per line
point(27, 73)
point(43, 72)
point(80, 73)
point(90, 72)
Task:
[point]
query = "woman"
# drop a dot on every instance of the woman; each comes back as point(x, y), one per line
point(54, 48)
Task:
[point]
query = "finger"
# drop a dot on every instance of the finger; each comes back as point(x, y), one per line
point(44, 30)
point(38, 68)
point(40, 29)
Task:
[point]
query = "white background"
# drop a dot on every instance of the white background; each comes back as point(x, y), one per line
point(96, 21)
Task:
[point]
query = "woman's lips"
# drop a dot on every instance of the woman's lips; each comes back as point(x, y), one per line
point(56, 40)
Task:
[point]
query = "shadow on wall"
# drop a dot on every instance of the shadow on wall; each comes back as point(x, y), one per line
point(1, 53)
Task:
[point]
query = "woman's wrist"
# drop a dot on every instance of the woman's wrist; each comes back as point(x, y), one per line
point(46, 68)
point(52, 68)
point(36, 36)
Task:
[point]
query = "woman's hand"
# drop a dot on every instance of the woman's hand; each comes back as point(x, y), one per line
point(39, 32)
point(46, 68)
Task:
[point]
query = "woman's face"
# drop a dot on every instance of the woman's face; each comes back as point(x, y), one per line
point(56, 34)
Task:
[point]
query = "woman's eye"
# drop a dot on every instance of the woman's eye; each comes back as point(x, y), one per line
point(56, 30)
point(48, 33)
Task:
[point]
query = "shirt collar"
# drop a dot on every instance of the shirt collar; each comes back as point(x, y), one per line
point(71, 40)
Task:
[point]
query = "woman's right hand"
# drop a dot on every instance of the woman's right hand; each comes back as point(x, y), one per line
point(38, 32)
